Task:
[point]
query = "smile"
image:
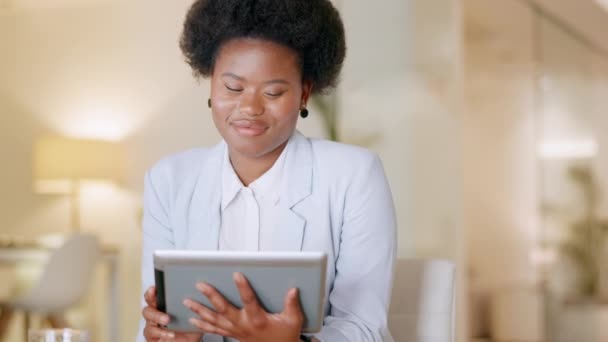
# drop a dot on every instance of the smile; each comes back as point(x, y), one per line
point(249, 128)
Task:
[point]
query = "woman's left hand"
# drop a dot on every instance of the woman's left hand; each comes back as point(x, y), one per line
point(251, 323)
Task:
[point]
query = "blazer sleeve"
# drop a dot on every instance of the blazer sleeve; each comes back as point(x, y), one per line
point(157, 232)
point(360, 296)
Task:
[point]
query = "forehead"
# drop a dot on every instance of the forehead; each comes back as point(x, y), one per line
point(257, 58)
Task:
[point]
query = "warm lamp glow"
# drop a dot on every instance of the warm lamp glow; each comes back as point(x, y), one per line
point(108, 125)
point(60, 164)
point(74, 159)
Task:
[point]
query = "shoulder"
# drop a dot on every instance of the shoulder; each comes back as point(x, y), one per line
point(342, 158)
point(182, 167)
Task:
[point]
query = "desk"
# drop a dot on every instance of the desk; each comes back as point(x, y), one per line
point(13, 252)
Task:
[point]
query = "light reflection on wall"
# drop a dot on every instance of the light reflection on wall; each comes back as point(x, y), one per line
point(567, 149)
point(104, 119)
point(111, 125)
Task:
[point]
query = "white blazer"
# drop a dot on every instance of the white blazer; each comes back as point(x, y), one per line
point(334, 198)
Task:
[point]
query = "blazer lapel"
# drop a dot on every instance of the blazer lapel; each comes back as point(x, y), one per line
point(296, 186)
point(204, 214)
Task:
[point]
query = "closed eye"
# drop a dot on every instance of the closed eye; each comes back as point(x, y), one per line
point(233, 89)
point(274, 94)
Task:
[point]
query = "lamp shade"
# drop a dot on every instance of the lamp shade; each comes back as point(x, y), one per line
point(59, 158)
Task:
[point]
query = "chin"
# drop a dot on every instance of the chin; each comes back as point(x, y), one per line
point(252, 147)
point(249, 149)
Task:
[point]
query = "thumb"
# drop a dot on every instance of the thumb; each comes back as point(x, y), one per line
point(150, 296)
point(292, 303)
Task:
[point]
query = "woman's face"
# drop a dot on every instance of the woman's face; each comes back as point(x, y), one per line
point(256, 94)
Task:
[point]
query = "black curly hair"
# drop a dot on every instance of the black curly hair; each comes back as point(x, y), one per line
point(312, 28)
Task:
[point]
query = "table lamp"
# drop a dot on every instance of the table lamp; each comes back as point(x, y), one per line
point(60, 164)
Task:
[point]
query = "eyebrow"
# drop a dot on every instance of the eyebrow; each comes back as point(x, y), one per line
point(239, 78)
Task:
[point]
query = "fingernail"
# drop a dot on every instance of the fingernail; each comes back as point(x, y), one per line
point(169, 335)
point(203, 287)
point(165, 319)
point(238, 276)
point(187, 303)
point(294, 292)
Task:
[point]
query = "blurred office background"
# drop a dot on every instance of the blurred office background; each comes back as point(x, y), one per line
point(488, 115)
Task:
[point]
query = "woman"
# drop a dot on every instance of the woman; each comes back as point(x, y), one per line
point(267, 187)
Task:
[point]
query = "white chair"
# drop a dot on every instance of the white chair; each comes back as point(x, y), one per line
point(422, 305)
point(63, 283)
point(517, 314)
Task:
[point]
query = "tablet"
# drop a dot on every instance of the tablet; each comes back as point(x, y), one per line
point(270, 274)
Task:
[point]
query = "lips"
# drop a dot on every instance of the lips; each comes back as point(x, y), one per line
point(249, 128)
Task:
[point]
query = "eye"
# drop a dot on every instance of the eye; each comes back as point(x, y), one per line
point(277, 94)
point(233, 88)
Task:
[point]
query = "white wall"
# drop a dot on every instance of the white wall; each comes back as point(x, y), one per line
point(401, 88)
point(587, 18)
point(499, 138)
point(6, 45)
point(104, 71)
point(499, 160)
point(600, 108)
point(599, 74)
point(388, 92)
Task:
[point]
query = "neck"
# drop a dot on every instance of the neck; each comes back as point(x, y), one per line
point(248, 169)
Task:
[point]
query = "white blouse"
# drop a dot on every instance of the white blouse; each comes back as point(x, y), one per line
point(248, 214)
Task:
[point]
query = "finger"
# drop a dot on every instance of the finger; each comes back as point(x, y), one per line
point(292, 304)
point(154, 316)
point(152, 332)
point(209, 327)
point(202, 311)
point(150, 296)
point(248, 297)
point(207, 315)
point(220, 304)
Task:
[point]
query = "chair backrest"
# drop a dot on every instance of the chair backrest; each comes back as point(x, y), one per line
point(422, 305)
point(67, 274)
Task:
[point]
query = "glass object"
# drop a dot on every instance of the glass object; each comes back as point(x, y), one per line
point(57, 335)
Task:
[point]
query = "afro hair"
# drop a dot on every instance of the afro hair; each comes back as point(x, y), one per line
point(311, 28)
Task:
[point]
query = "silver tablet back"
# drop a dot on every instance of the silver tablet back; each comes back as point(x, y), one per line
point(271, 275)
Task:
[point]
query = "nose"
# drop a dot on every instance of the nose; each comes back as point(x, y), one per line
point(251, 105)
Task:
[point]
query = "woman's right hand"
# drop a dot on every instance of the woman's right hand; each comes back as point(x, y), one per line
point(153, 331)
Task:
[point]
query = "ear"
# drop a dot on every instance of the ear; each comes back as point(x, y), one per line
point(306, 92)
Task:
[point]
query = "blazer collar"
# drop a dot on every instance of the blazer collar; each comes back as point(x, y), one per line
point(204, 213)
point(296, 187)
point(297, 178)
point(205, 207)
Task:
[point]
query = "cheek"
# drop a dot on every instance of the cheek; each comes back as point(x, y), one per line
point(222, 109)
point(285, 126)
point(291, 118)
point(285, 119)
point(286, 111)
